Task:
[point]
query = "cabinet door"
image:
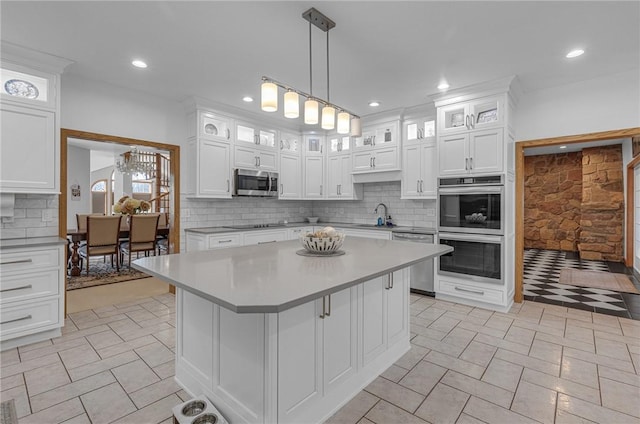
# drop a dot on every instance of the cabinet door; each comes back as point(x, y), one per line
point(313, 177)
point(386, 158)
point(340, 338)
point(429, 170)
point(453, 119)
point(397, 301)
point(214, 169)
point(411, 171)
point(28, 156)
point(299, 360)
point(453, 152)
point(245, 157)
point(485, 151)
point(267, 160)
point(266, 138)
point(290, 143)
point(346, 180)
point(264, 236)
point(367, 140)
point(214, 127)
point(386, 135)
point(486, 113)
point(194, 319)
point(313, 145)
point(245, 133)
point(362, 161)
point(373, 319)
point(334, 176)
point(290, 177)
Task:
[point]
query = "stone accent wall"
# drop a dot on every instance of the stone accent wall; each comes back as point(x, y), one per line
point(602, 204)
point(552, 201)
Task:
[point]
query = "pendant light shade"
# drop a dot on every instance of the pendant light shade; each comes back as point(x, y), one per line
point(328, 118)
point(269, 97)
point(356, 128)
point(311, 112)
point(291, 105)
point(343, 122)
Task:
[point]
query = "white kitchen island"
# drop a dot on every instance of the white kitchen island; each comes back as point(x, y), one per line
point(273, 337)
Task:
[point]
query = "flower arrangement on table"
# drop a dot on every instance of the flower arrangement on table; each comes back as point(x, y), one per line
point(130, 206)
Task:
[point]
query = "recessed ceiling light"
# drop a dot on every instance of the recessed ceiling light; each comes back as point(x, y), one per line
point(443, 86)
point(247, 99)
point(575, 53)
point(563, 147)
point(139, 63)
point(374, 104)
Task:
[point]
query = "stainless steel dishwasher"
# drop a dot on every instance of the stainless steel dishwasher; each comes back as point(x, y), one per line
point(420, 274)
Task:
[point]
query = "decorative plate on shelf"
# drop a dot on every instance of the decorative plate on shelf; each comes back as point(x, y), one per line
point(457, 119)
point(488, 116)
point(21, 88)
point(211, 129)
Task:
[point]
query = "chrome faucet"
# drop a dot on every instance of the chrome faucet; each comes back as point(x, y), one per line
point(384, 217)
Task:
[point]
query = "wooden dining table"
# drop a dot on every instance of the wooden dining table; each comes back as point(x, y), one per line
point(80, 235)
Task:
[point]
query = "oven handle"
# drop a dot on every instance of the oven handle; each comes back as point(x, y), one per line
point(483, 238)
point(471, 190)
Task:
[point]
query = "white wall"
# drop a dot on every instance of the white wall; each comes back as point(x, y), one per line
point(602, 104)
point(78, 172)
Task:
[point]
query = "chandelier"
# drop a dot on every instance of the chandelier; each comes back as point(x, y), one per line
point(347, 122)
point(131, 163)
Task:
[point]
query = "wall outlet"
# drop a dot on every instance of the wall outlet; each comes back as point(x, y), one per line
point(431, 212)
point(47, 215)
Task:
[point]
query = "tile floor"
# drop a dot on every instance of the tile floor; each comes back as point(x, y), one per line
point(538, 363)
point(541, 284)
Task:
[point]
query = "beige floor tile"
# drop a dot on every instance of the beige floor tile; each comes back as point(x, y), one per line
point(107, 404)
point(467, 325)
point(135, 375)
point(582, 334)
point(481, 313)
point(563, 341)
point(432, 313)
point(412, 357)
point(580, 371)
point(562, 385)
point(538, 328)
point(20, 397)
point(53, 348)
point(429, 332)
point(423, 377)
point(112, 294)
point(478, 353)
point(468, 419)
point(620, 397)
point(80, 334)
point(443, 405)
point(420, 321)
point(629, 341)
point(455, 364)
point(528, 362)
point(608, 320)
point(612, 348)
point(154, 413)
point(596, 325)
point(444, 324)
point(491, 413)
point(501, 343)
point(46, 378)
point(80, 419)
point(168, 369)
point(167, 337)
point(83, 324)
point(124, 326)
point(393, 373)
point(629, 328)
point(499, 323)
point(477, 388)
point(140, 315)
point(459, 337)
point(535, 402)
point(563, 417)
point(462, 317)
point(385, 412)
point(439, 346)
point(520, 335)
point(104, 339)
point(617, 375)
point(155, 354)
point(78, 356)
point(363, 420)
point(546, 351)
point(70, 391)
point(154, 392)
point(599, 359)
point(396, 394)
point(580, 315)
point(588, 410)
point(126, 346)
point(129, 335)
point(354, 410)
point(20, 367)
point(32, 346)
point(85, 371)
point(12, 381)
point(184, 396)
point(503, 374)
point(10, 357)
point(61, 412)
point(84, 315)
point(69, 326)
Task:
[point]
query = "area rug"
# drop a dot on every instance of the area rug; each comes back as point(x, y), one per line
point(598, 280)
point(101, 273)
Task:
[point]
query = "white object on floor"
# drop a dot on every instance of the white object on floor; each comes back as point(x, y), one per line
point(198, 409)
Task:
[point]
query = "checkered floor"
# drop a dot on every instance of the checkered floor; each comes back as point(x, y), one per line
point(541, 283)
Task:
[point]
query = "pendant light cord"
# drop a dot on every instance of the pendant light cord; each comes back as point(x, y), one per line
point(310, 63)
point(328, 98)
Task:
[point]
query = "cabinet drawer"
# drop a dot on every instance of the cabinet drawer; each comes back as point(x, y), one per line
point(29, 259)
point(472, 292)
point(27, 318)
point(28, 285)
point(220, 242)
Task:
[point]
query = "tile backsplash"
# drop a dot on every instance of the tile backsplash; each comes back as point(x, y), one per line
point(28, 213)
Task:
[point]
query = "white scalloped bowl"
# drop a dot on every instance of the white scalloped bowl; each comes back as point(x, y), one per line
point(322, 245)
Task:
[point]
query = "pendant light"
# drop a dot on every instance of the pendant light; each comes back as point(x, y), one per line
point(356, 127)
point(343, 122)
point(328, 118)
point(311, 112)
point(269, 97)
point(291, 104)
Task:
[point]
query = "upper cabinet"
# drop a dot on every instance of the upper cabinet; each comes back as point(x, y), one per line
point(253, 134)
point(469, 116)
point(255, 147)
point(313, 145)
point(378, 149)
point(30, 116)
point(290, 143)
point(419, 129)
point(214, 127)
point(379, 135)
point(339, 144)
point(419, 159)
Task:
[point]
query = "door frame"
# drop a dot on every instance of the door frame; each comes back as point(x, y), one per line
point(519, 182)
point(174, 170)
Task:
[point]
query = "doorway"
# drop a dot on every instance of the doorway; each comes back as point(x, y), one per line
point(173, 173)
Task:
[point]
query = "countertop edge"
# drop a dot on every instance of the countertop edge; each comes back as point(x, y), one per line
point(31, 242)
point(351, 225)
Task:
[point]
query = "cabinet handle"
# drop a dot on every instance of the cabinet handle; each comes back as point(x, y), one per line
point(391, 279)
point(28, 286)
point(421, 186)
point(320, 189)
point(321, 148)
point(374, 162)
point(323, 306)
point(15, 320)
point(21, 261)
point(228, 133)
point(224, 241)
point(374, 140)
point(473, 121)
point(470, 163)
point(228, 186)
point(466, 121)
point(480, 292)
point(418, 186)
point(265, 242)
point(420, 133)
point(466, 164)
point(328, 313)
point(281, 145)
point(281, 189)
point(259, 164)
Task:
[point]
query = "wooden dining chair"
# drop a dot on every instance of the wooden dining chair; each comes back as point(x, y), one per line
point(162, 241)
point(81, 220)
point(143, 229)
point(102, 238)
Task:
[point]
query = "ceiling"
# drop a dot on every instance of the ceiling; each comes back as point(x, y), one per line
point(392, 52)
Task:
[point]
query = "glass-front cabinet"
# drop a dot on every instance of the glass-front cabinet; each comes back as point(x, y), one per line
point(475, 115)
point(290, 143)
point(214, 127)
point(419, 129)
point(339, 144)
point(313, 144)
point(250, 133)
point(379, 135)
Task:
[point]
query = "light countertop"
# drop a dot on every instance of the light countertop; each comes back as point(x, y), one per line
point(395, 228)
point(271, 278)
point(31, 242)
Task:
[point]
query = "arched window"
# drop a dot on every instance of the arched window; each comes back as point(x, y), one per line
point(99, 197)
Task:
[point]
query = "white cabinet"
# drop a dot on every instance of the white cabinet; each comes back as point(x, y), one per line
point(248, 157)
point(209, 173)
point(379, 135)
point(374, 234)
point(198, 241)
point(339, 180)
point(290, 143)
point(419, 170)
point(214, 126)
point(313, 177)
point(264, 236)
point(382, 159)
point(290, 176)
point(377, 149)
point(32, 294)
point(339, 144)
point(253, 134)
point(314, 145)
point(474, 152)
point(477, 114)
point(419, 129)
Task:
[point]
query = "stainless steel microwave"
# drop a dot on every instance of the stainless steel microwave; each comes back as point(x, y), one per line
point(250, 182)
